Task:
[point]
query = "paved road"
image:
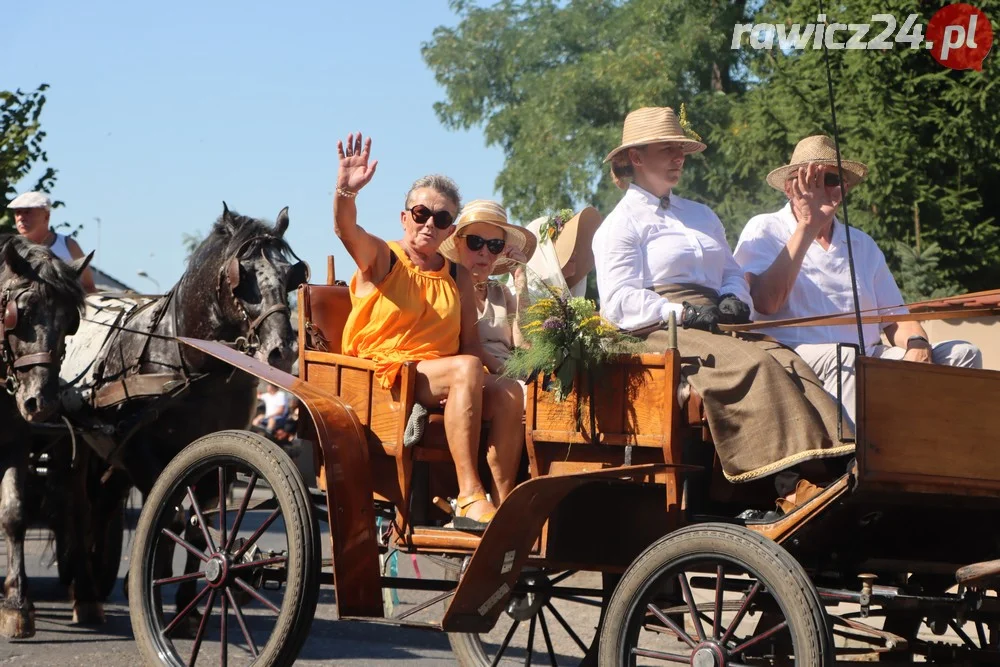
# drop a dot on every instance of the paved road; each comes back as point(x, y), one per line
point(59, 642)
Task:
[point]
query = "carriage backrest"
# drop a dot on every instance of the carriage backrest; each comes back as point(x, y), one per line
point(323, 309)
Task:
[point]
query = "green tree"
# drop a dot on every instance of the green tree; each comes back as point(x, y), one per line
point(918, 274)
point(21, 137)
point(928, 135)
point(550, 83)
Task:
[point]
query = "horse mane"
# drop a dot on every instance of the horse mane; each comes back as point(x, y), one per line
point(233, 232)
point(56, 278)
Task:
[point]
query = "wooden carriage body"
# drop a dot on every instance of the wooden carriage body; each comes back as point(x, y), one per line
point(629, 419)
point(615, 467)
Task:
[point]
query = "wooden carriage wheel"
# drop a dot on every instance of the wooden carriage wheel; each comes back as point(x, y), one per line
point(257, 582)
point(716, 595)
point(554, 620)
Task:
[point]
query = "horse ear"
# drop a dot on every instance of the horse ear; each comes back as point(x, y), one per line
point(227, 218)
point(79, 265)
point(19, 265)
point(282, 223)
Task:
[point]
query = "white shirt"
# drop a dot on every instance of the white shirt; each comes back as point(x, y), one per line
point(823, 286)
point(640, 246)
point(274, 404)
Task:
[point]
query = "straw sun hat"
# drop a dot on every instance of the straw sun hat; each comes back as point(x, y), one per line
point(819, 149)
point(576, 235)
point(483, 210)
point(654, 125)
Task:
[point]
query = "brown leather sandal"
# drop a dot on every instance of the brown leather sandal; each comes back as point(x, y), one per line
point(461, 507)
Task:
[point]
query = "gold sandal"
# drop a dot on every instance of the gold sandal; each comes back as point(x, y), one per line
point(461, 506)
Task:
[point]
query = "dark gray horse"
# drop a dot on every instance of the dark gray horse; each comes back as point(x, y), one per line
point(40, 301)
point(234, 290)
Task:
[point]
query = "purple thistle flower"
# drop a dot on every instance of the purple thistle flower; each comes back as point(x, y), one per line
point(553, 323)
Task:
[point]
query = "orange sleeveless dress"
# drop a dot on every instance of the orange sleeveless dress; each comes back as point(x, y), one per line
point(411, 316)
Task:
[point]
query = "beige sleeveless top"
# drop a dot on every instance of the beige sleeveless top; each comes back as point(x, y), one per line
point(495, 327)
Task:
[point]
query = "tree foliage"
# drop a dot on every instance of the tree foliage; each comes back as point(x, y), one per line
point(550, 83)
point(21, 150)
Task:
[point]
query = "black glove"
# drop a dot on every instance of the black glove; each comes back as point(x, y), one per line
point(705, 318)
point(733, 310)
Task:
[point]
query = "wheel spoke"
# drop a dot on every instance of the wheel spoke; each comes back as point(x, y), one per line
point(222, 508)
point(659, 655)
point(178, 579)
point(187, 545)
point(187, 610)
point(201, 627)
point(741, 612)
point(256, 596)
point(504, 644)
point(259, 563)
point(201, 520)
point(531, 642)
point(981, 632)
point(548, 640)
point(689, 598)
point(242, 511)
point(577, 600)
point(223, 634)
point(719, 590)
point(961, 633)
point(561, 577)
point(565, 625)
point(761, 637)
point(257, 533)
point(666, 620)
point(242, 623)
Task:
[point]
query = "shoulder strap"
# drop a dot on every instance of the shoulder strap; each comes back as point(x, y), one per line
point(453, 269)
point(392, 259)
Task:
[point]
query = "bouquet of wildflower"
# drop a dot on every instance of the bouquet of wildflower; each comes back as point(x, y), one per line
point(565, 336)
point(551, 228)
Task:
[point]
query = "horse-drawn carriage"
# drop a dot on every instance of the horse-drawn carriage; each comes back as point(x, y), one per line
point(622, 510)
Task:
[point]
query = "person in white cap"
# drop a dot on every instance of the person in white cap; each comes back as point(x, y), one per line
point(31, 216)
point(796, 262)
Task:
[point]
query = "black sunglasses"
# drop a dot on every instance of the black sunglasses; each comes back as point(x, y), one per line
point(475, 243)
point(421, 214)
point(831, 180)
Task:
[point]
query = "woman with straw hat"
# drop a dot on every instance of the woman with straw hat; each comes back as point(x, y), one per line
point(661, 255)
point(411, 304)
point(487, 245)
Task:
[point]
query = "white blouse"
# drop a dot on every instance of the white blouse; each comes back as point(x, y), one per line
point(641, 246)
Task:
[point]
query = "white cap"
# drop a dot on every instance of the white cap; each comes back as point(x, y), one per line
point(31, 200)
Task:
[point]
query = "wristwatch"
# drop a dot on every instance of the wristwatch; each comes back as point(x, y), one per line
point(919, 340)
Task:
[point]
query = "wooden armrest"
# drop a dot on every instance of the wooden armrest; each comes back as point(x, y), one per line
point(332, 359)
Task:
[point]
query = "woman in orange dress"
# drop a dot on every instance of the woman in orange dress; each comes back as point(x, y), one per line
point(411, 304)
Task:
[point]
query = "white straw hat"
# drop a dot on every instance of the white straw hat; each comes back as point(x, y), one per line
point(655, 125)
point(820, 149)
point(490, 212)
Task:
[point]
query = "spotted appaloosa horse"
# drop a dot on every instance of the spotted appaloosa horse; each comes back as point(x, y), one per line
point(235, 289)
point(40, 301)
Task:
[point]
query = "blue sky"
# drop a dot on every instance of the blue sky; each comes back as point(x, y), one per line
point(158, 112)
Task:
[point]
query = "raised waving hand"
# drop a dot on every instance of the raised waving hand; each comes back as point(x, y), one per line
point(355, 171)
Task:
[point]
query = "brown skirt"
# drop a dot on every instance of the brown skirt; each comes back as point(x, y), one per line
point(766, 409)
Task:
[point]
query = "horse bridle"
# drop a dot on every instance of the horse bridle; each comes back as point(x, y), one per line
point(13, 363)
point(249, 343)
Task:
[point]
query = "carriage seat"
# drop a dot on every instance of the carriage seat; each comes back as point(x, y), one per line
point(323, 313)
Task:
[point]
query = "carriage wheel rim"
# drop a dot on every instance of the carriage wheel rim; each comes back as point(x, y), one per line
point(711, 643)
point(226, 574)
